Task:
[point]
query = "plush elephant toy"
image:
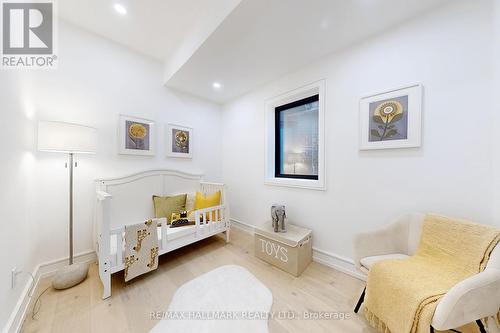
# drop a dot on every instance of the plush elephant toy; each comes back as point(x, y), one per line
point(278, 216)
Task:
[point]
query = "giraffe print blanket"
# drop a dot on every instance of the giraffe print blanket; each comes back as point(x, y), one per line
point(141, 249)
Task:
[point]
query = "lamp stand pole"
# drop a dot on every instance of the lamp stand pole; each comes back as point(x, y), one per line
point(73, 274)
point(71, 208)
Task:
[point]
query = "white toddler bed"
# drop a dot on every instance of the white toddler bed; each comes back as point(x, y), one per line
point(128, 200)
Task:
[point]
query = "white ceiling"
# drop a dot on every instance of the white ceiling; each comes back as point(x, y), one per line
point(239, 43)
point(262, 40)
point(151, 27)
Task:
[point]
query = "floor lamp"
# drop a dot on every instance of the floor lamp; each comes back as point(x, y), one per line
point(67, 138)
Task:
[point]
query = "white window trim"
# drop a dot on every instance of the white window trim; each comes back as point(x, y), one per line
point(316, 88)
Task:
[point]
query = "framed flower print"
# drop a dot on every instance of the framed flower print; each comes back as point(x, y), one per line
point(391, 119)
point(137, 136)
point(179, 141)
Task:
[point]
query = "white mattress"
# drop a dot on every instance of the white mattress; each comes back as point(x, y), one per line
point(172, 233)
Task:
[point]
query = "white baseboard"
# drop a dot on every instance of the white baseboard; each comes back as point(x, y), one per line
point(242, 226)
point(41, 271)
point(335, 261)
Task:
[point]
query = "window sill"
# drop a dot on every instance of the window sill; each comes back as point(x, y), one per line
point(309, 184)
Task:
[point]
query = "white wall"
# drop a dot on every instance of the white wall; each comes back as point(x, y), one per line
point(495, 88)
point(95, 82)
point(449, 52)
point(17, 166)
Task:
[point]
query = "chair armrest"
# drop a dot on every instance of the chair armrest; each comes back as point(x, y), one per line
point(474, 298)
point(387, 240)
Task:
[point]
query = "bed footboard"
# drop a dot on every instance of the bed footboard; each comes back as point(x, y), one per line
point(210, 220)
point(103, 240)
point(209, 188)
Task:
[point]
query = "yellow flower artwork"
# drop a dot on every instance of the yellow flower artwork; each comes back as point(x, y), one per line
point(180, 142)
point(389, 121)
point(137, 135)
point(137, 131)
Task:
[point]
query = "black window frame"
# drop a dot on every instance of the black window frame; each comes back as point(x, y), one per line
point(277, 137)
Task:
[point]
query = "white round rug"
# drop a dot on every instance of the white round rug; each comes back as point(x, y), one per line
point(227, 299)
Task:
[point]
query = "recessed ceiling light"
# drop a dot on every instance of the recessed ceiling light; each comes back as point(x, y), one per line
point(120, 9)
point(216, 85)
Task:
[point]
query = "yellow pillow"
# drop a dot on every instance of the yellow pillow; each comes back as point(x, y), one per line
point(211, 200)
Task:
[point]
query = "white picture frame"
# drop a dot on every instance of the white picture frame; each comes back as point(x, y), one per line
point(174, 147)
point(392, 119)
point(130, 145)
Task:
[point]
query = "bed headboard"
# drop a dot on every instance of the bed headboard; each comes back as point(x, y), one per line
point(132, 195)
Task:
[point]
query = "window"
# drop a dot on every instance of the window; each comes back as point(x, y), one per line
point(295, 149)
point(296, 139)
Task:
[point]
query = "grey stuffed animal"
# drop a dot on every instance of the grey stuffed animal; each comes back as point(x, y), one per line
point(278, 216)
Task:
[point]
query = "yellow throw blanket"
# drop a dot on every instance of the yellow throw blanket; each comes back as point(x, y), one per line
point(402, 294)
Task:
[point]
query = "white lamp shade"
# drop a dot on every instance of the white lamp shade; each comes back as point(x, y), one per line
point(60, 137)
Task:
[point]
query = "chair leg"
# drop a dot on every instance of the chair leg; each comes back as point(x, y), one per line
point(481, 326)
point(360, 301)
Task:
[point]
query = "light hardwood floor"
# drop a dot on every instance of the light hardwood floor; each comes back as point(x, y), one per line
point(81, 309)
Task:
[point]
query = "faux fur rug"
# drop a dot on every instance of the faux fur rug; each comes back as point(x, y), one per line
point(227, 299)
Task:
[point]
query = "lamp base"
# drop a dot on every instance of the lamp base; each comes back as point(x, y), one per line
point(69, 276)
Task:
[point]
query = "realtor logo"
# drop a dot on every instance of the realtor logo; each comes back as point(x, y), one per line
point(28, 34)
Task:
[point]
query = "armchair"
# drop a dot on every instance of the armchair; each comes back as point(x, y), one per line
point(471, 300)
